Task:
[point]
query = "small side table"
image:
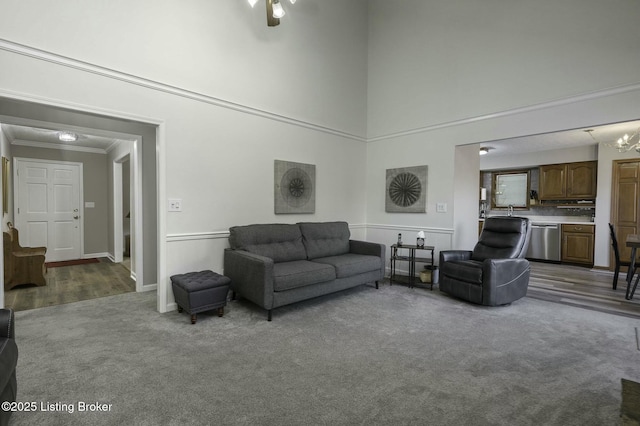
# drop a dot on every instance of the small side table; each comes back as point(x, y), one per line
point(409, 256)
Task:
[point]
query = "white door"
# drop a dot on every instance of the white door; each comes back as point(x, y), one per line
point(47, 208)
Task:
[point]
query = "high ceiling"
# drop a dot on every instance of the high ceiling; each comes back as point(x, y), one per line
point(559, 140)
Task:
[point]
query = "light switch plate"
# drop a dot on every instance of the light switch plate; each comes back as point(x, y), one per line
point(175, 205)
point(89, 204)
point(441, 207)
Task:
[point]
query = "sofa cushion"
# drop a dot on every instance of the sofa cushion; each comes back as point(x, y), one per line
point(469, 271)
point(325, 239)
point(280, 242)
point(300, 273)
point(351, 264)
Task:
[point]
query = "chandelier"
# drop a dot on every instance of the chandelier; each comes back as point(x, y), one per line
point(274, 11)
point(625, 143)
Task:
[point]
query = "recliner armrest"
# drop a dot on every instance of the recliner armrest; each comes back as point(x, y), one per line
point(7, 328)
point(451, 255)
point(503, 273)
point(503, 268)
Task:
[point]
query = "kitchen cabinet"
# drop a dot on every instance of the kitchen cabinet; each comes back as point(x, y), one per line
point(568, 181)
point(577, 243)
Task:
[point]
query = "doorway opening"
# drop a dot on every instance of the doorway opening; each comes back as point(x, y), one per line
point(122, 152)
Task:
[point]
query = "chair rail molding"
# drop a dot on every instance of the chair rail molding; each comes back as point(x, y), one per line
point(217, 235)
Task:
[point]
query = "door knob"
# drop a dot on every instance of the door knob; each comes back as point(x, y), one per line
point(75, 217)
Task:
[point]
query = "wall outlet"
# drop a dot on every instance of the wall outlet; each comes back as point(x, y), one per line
point(175, 205)
point(441, 207)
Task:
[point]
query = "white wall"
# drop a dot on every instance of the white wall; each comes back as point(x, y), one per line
point(229, 94)
point(415, 78)
point(432, 62)
point(443, 74)
point(312, 67)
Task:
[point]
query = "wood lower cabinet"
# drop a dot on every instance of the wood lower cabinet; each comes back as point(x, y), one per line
point(577, 243)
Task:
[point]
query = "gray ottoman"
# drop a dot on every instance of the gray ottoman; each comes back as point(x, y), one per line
point(200, 291)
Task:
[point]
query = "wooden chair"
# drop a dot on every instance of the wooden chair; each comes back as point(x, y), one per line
point(22, 265)
point(616, 255)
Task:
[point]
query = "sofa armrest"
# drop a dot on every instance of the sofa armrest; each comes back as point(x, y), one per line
point(251, 276)
point(371, 249)
point(451, 255)
point(7, 321)
point(368, 248)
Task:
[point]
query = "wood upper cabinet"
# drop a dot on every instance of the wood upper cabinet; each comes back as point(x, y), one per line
point(582, 180)
point(568, 181)
point(553, 182)
point(577, 243)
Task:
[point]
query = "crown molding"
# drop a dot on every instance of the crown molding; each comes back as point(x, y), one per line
point(54, 58)
point(68, 62)
point(515, 111)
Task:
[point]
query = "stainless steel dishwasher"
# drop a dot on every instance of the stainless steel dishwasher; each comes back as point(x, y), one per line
point(545, 242)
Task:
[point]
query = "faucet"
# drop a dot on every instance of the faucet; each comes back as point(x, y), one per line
point(510, 210)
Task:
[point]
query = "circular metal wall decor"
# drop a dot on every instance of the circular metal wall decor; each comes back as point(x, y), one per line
point(294, 187)
point(405, 189)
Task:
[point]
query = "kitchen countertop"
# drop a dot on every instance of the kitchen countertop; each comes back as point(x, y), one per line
point(565, 220)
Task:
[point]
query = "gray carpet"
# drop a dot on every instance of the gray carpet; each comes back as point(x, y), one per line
point(365, 356)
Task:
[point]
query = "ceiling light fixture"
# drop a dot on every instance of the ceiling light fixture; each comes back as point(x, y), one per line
point(484, 150)
point(67, 137)
point(275, 11)
point(624, 144)
point(278, 11)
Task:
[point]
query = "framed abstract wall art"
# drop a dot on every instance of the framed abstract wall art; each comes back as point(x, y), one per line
point(406, 190)
point(294, 187)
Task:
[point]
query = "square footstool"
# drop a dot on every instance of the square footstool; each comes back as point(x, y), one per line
point(200, 291)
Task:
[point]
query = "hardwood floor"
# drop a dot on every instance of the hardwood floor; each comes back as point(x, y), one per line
point(566, 284)
point(582, 287)
point(69, 284)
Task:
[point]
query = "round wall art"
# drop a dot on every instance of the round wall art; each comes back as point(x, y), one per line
point(406, 190)
point(294, 190)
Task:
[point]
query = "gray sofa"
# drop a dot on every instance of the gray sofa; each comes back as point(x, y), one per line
point(273, 265)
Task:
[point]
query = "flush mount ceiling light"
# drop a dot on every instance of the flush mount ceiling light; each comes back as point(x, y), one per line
point(67, 137)
point(275, 11)
point(484, 150)
point(624, 144)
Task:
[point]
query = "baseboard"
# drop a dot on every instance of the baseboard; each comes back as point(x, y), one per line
point(97, 255)
point(149, 287)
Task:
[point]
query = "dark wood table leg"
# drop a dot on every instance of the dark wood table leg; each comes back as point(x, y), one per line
point(633, 290)
point(630, 272)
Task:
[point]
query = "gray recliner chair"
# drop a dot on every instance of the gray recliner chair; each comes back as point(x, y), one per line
point(8, 362)
point(495, 272)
